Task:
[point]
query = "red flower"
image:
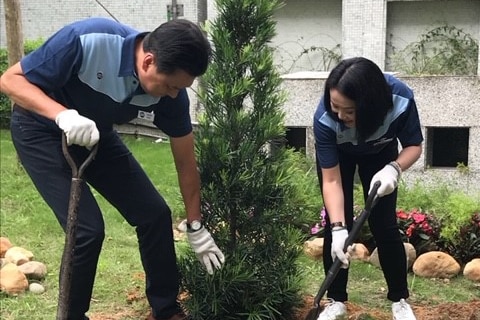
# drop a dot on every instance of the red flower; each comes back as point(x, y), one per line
point(418, 217)
point(426, 228)
point(409, 231)
point(402, 215)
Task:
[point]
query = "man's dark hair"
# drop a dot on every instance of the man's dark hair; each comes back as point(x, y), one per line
point(362, 81)
point(179, 44)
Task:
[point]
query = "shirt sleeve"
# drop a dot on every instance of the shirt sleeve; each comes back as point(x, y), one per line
point(410, 133)
point(52, 64)
point(326, 150)
point(172, 116)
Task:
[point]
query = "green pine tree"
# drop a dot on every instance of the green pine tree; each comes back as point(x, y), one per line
point(256, 195)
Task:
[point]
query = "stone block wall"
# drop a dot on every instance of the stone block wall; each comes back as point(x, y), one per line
point(443, 102)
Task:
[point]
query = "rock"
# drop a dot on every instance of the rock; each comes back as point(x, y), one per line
point(359, 252)
point(182, 226)
point(5, 244)
point(373, 259)
point(410, 252)
point(178, 235)
point(314, 248)
point(436, 264)
point(18, 255)
point(472, 270)
point(37, 288)
point(33, 270)
point(12, 280)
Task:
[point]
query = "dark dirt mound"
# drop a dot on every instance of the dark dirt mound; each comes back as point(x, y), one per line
point(445, 311)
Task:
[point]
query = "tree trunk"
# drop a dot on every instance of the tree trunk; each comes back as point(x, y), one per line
point(13, 24)
point(13, 28)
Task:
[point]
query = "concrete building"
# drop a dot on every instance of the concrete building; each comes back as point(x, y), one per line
point(311, 35)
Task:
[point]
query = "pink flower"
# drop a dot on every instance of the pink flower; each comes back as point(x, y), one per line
point(410, 229)
point(426, 227)
point(418, 217)
point(323, 215)
point(402, 215)
point(315, 229)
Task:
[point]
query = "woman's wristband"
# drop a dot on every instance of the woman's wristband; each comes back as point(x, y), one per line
point(396, 166)
point(337, 224)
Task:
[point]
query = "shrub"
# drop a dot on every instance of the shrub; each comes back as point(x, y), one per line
point(452, 219)
point(448, 221)
point(456, 214)
point(444, 50)
point(255, 194)
point(5, 103)
point(420, 229)
point(466, 245)
point(460, 236)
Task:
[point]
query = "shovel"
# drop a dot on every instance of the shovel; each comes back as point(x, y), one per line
point(333, 271)
point(70, 233)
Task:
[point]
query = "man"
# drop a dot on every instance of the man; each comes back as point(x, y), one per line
point(86, 77)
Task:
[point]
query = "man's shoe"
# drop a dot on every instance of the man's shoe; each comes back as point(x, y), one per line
point(401, 311)
point(178, 316)
point(334, 310)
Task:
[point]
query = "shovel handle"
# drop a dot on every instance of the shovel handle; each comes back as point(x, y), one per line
point(70, 232)
point(77, 172)
point(353, 234)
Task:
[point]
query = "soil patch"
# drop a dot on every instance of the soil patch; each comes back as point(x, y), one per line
point(445, 311)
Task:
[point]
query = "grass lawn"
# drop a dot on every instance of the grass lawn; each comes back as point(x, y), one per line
point(29, 223)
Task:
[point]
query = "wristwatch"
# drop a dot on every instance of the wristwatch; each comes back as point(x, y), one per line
point(193, 226)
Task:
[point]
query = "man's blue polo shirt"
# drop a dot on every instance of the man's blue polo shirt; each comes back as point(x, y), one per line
point(89, 66)
point(402, 123)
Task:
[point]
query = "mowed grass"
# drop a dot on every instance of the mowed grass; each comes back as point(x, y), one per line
point(28, 222)
point(367, 286)
point(119, 287)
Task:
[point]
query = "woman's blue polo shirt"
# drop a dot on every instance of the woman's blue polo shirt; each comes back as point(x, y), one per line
point(401, 124)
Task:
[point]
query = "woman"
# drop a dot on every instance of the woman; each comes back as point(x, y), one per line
point(360, 120)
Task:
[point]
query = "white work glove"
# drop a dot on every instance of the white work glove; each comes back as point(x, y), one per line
point(78, 129)
point(388, 178)
point(206, 250)
point(338, 243)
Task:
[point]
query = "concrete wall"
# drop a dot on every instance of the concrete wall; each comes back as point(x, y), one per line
point(303, 24)
point(369, 28)
point(364, 29)
point(42, 18)
point(407, 20)
point(441, 102)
